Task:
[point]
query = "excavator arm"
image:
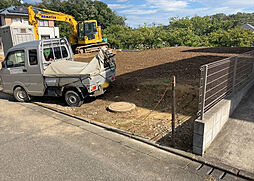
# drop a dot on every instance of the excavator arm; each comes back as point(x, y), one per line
point(44, 14)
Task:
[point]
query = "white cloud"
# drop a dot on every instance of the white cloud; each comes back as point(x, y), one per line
point(225, 10)
point(241, 3)
point(189, 11)
point(209, 11)
point(150, 7)
point(136, 21)
point(121, 1)
point(227, 3)
point(168, 5)
point(138, 11)
point(119, 6)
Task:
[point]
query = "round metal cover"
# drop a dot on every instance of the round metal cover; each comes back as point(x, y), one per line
point(121, 107)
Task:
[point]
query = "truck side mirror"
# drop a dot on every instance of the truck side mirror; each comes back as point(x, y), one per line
point(10, 64)
point(3, 64)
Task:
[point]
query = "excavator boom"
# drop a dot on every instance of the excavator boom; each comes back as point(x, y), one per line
point(54, 16)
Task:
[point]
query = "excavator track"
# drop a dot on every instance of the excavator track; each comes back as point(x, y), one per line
point(90, 48)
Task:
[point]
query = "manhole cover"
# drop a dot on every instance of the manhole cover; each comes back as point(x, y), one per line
point(121, 107)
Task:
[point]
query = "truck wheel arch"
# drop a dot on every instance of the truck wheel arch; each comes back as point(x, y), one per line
point(16, 92)
point(82, 92)
point(19, 85)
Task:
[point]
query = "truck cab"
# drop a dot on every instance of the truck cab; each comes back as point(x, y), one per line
point(47, 68)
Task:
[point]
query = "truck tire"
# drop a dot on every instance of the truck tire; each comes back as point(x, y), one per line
point(20, 94)
point(73, 99)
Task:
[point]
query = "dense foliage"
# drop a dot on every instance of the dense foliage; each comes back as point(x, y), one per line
point(8, 3)
point(196, 31)
point(238, 19)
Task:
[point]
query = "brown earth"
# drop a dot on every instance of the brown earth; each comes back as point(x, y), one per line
point(142, 78)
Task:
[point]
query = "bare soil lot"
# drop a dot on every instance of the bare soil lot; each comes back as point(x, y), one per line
point(142, 78)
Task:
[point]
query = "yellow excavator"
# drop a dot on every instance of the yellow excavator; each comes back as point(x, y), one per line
point(85, 36)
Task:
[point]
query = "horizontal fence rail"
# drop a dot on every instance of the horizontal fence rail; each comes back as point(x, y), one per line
point(222, 78)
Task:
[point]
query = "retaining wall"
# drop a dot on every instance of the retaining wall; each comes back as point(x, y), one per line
point(207, 129)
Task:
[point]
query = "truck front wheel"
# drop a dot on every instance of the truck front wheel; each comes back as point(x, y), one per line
point(73, 99)
point(20, 94)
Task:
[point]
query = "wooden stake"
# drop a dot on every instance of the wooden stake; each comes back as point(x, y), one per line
point(173, 110)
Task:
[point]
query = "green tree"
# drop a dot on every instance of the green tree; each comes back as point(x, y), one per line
point(216, 30)
point(200, 25)
point(238, 19)
point(240, 37)
point(184, 37)
point(8, 3)
point(237, 37)
point(118, 36)
point(152, 37)
point(242, 18)
point(64, 29)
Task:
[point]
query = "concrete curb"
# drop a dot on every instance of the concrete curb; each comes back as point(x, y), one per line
point(190, 156)
point(246, 174)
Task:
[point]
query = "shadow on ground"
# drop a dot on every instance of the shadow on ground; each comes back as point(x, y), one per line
point(144, 87)
point(233, 50)
point(183, 136)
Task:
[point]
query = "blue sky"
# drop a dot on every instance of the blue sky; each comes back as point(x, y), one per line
point(159, 11)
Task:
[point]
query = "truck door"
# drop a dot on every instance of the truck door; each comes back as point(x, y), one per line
point(14, 71)
point(36, 83)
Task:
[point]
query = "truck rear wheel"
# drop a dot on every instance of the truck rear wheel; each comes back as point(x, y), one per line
point(73, 99)
point(21, 95)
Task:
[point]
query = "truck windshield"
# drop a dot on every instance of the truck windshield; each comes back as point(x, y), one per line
point(15, 59)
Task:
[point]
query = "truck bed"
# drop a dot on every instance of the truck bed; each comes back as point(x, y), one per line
point(74, 81)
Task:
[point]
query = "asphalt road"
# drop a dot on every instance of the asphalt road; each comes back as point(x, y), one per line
point(38, 144)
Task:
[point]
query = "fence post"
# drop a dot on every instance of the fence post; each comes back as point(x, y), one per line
point(205, 68)
point(252, 73)
point(173, 110)
point(234, 76)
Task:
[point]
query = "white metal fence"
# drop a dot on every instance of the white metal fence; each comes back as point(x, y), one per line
point(222, 78)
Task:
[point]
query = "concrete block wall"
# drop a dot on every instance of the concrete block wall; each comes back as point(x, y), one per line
point(207, 129)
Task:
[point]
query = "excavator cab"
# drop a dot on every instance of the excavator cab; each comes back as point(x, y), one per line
point(87, 29)
point(89, 32)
